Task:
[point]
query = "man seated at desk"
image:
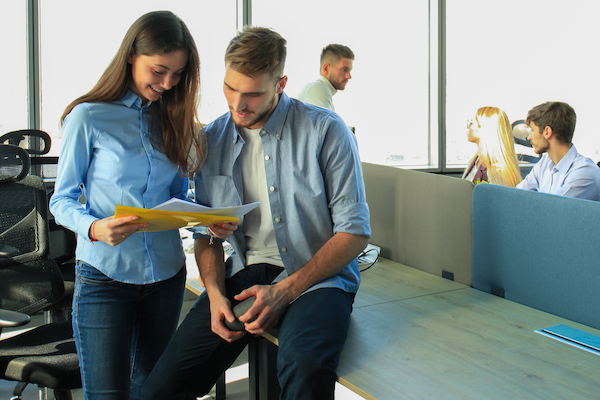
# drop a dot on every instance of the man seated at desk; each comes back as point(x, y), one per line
point(296, 253)
point(561, 170)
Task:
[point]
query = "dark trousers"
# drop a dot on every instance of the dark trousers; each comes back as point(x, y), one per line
point(311, 336)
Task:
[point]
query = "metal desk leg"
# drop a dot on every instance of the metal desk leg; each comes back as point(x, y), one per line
point(262, 360)
point(221, 392)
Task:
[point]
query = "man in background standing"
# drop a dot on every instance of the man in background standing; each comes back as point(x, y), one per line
point(336, 64)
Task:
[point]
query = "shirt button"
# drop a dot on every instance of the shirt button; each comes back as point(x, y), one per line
point(272, 188)
point(283, 249)
point(263, 132)
point(277, 135)
point(267, 158)
point(277, 219)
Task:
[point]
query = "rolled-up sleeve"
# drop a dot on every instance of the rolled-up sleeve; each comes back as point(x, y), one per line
point(344, 181)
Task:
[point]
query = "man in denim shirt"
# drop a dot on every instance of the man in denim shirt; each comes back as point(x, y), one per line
point(296, 253)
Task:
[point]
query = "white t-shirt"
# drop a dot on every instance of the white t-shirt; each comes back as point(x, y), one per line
point(258, 223)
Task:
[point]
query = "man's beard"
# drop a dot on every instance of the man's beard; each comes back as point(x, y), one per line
point(258, 119)
point(542, 149)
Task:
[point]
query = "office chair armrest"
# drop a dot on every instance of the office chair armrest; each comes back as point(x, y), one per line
point(10, 319)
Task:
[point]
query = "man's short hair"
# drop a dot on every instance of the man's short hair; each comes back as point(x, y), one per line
point(334, 53)
point(256, 51)
point(559, 116)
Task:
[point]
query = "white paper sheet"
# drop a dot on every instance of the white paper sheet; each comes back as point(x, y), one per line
point(187, 206)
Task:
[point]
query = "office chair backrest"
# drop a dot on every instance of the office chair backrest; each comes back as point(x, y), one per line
point(14, 163)
point(520, 131)
point(29, 280)
point(36, 142)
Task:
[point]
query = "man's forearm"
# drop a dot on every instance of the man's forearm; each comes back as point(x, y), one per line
point(209, 258)
point(330, 260)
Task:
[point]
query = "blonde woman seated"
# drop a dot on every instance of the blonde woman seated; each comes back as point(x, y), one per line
point(495, 161)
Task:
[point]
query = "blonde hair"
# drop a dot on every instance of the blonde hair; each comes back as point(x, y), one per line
point(497, 147)
point(160, 32)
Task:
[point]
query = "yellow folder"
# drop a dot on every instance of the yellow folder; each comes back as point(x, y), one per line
point(161, 220)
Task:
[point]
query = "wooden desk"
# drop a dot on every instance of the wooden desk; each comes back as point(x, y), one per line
point(390, 281)
point(463, 344)
point(414, 335)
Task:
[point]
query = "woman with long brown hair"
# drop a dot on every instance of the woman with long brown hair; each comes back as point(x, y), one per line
point(133, 140)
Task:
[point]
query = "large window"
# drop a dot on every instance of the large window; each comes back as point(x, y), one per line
point(515, 55)
point(387, 99)
point(79, 40)
point(13, 68)
point(512, 55)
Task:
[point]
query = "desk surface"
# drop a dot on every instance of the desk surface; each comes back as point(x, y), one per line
point(414, 335)
point(457, 343)
point(390, 281)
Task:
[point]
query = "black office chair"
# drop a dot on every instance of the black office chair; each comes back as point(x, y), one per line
point(30, 282)
point(520, 131)
point(37, 143)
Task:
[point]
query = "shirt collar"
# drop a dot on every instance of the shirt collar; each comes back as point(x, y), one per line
point(565, 163)
point(132, 100)
point(329, 85)
point(276, 122)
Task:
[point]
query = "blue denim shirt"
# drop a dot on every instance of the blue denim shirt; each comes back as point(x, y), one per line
point(108, 150)
point(314, 178)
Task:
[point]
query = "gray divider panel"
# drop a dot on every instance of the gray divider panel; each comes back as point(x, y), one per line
point(542, 250)
point(421, 219)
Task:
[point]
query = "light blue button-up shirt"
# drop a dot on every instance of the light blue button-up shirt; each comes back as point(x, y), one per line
point(573, 176)
point(314, 179)
point(108, 150)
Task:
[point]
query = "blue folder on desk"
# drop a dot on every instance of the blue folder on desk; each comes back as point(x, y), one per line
point(574, 337)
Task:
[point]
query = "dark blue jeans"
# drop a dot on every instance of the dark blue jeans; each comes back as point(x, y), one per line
point(121, 330)
point(311, 336)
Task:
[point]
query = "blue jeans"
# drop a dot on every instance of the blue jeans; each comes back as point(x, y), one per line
point(121, 330)
point(311, 337)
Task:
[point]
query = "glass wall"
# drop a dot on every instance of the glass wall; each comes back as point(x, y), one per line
point(13, 68)
point(80, 38)
point(387, 99)
point(512, 55)
point(515, 55)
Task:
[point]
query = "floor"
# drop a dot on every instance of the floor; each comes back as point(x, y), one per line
point(236, 376)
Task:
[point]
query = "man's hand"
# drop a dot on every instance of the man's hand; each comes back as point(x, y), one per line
point(223, 231)
point(219, 309)
point(269, 306)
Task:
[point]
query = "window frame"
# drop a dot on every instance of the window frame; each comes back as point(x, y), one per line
point(437, 77)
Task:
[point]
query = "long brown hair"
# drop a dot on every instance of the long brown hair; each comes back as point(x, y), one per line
point(160, 32)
